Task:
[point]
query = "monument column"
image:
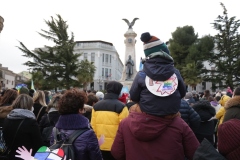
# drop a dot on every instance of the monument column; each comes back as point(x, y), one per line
point(129, 70)
point(130, 42)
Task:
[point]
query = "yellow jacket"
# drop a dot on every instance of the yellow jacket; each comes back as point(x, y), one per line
point(106, 116)
point(220, 114)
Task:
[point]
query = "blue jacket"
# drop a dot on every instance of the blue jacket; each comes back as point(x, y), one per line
point(189, 115)
point(158, 69)
point(86, 145)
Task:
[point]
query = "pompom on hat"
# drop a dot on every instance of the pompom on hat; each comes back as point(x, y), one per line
point(152, 44)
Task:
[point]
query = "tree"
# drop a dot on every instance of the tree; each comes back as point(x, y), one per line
point(189, 52)
point(226, 60)
point(59, 65)
point(87, 70)
point(192, 73)
point(182, 39)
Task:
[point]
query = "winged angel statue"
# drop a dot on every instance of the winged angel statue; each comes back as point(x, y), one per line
point(130, 24)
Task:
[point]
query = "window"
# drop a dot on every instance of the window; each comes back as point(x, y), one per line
point(110, 72)
point(102, 72)
point(110, 58)
point(103, 57)
point(85, 56)
point(106, 72)
point(92, 57)
point(106, 58)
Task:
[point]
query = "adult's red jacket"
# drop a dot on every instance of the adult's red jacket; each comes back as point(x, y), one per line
point(141, 136)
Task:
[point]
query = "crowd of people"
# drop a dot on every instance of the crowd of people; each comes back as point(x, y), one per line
point(167, 124)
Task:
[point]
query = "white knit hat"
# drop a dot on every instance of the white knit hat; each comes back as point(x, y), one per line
point(100, 95)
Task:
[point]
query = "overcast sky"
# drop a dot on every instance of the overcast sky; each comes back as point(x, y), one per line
point(102, 20)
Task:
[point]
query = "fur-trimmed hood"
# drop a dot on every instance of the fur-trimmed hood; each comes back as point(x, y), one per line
point(235, 101)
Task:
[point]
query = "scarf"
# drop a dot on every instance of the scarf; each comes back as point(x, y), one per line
point(52, 110)
point(21, 114)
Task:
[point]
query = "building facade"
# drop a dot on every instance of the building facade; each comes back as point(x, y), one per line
point(106, 60)
point(9, 79)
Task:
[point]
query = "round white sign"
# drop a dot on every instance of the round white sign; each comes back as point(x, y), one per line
point(162, 88)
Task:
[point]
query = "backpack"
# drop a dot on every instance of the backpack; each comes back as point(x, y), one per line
point(46, 133)
point(67, 144)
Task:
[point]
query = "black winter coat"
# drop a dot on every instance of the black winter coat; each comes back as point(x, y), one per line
point(37, 107)
point(28, 135)
point(189, 115)
point(53, 117)
point(158, 69)
point(207, 126)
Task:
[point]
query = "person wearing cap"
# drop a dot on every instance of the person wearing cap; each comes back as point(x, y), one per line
point(100, 95)
point(195, 96)
point(159, 87)
point(189, 98)
point(24, 90)
point(106, 116)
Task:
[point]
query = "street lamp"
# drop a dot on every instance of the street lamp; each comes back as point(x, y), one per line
point(100, 82)
point(1, 23)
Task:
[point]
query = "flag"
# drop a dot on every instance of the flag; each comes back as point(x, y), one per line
point(32, 86)
point(141, 65)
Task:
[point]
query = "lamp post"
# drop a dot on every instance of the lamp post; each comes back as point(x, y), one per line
point(1, 23)
point(100, 82)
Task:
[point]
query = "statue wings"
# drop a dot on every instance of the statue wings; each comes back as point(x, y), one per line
point(130, 25)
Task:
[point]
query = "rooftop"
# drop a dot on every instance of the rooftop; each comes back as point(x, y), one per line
point(94, 41)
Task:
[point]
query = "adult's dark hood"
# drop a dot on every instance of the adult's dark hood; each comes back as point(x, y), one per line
point(114, 87)
point(204, 109)
point(159, 69)
point(146, 127)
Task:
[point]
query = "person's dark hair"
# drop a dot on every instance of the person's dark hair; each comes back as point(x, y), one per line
point(9, 96)
point(92, 99)
point(210, 99)
point(207, 93)
point(63, 91)
point(72, 101)
point(217, 98)
point(54, 102)
point(31, 92)
point(237, 91)
point(23, 101)
point(89, 91)
point(94, 92)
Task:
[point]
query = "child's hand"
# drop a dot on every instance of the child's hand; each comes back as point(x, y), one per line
point(24, 154)
point(101, 140)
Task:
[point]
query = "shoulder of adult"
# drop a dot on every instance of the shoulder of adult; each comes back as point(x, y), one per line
point(4, 111)
point(113, 105)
